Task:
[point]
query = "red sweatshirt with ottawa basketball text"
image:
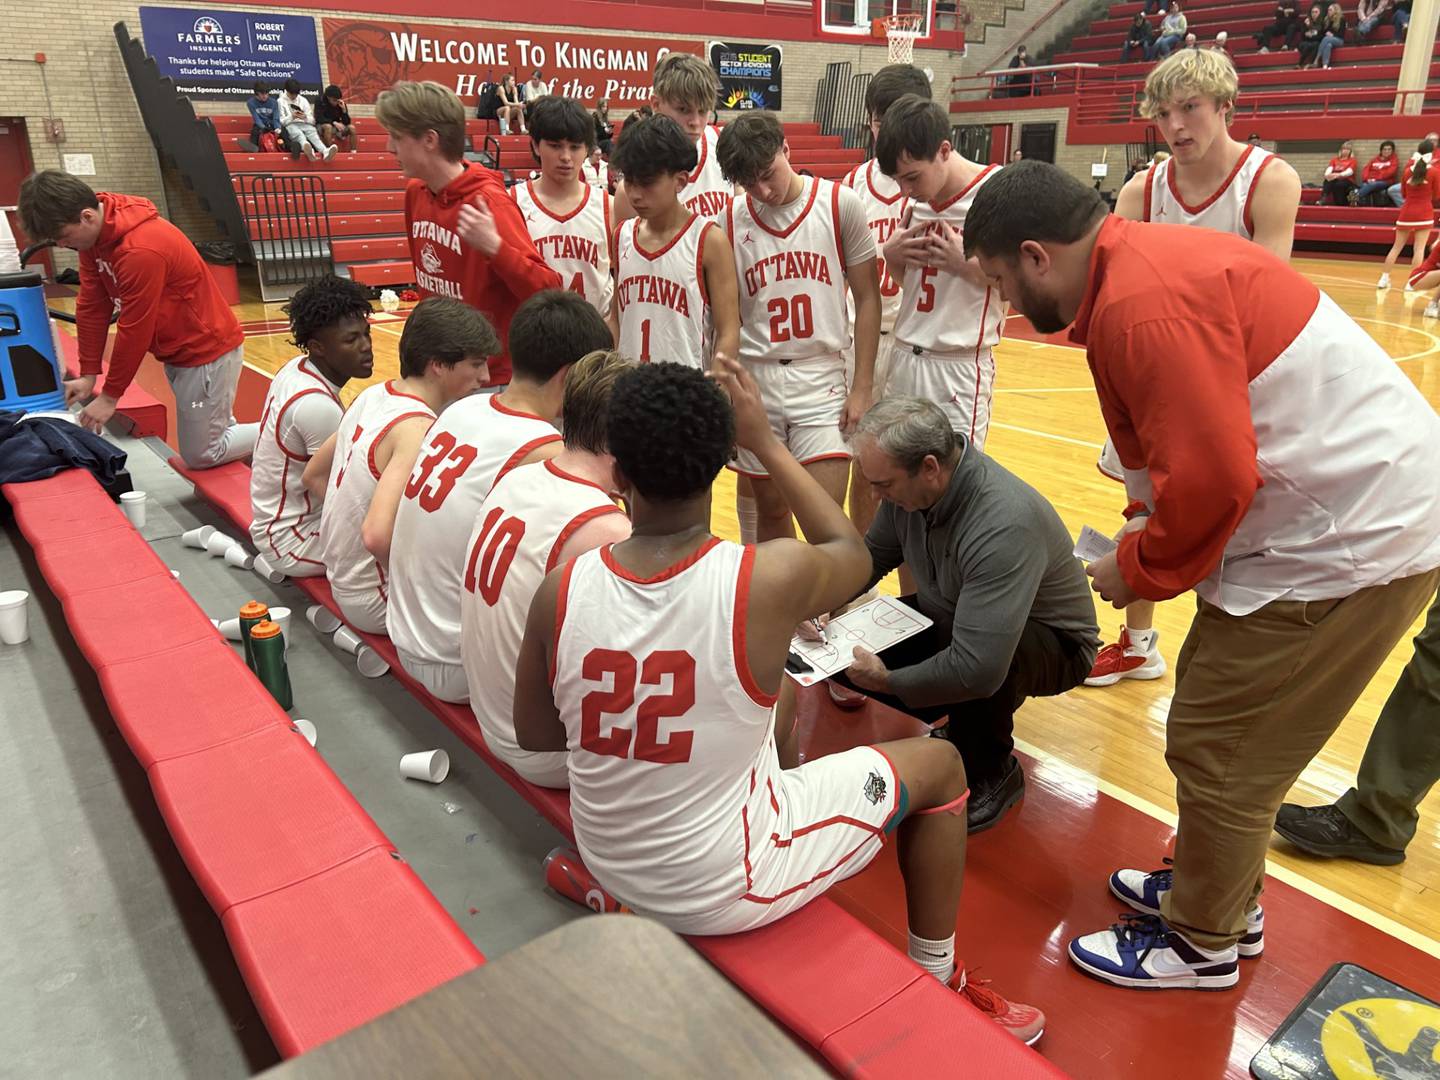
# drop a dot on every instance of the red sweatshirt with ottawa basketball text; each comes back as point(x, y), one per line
point(447, 266)
point(169, 303)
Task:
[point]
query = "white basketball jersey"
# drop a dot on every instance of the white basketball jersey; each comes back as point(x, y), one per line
point(792, 281)
point(475, 442)
point(708, 193)
point(517, 538)
point(664, 309)
point(672, 756)
point(1228, 210)
point(353, 476)
point(942, 312)
point(881, 198)
point(283, 519)
point(576, 245)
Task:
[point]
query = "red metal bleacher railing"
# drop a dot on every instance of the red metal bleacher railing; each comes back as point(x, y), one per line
point(1120, 102)
point(1046, 80)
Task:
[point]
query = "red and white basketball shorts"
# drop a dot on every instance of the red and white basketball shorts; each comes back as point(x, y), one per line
point(835, 813)
point(805, 400)
point(962, 384)
point(882, 365)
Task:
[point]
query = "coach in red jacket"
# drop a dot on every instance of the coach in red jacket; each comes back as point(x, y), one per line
point(169, 305)
point(467, 238)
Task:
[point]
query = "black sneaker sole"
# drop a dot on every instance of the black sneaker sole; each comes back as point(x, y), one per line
point(1376, 856)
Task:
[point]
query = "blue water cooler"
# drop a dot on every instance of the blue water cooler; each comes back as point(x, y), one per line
point(30, 377)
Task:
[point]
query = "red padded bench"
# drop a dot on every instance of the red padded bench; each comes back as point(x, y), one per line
point(310, 892)
point(831, 980)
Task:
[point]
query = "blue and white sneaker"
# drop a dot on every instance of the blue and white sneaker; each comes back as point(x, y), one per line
point(1143, 891)
point(1142, 953)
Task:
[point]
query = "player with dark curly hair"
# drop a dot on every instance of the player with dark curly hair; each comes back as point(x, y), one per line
point(658, 662)
point(329, 323)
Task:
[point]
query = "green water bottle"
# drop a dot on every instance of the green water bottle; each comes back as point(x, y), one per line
point(251, 615)
point(268, 645)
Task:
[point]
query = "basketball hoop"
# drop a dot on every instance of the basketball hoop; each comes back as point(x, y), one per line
point(900, 31)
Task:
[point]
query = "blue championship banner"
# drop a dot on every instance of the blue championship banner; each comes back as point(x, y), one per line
point(220, 52)
point(749, 75)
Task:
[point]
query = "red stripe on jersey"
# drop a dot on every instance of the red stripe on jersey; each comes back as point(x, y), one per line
point(390, 389)
point(652, 256)
point(870, 183)
point(584, 199)
point(1149, 187)
point(324, 382)
point(1250, 195)
point(835, 221)
point(574, 526)
point(500, 407)
point(940, 208)
point(380, 436)
point(700, 263)
point(738, 632)
point(979, 348)
point(280, 416)
point(562, 599)
point(1192, 210)
point(525, 451)
point(783, 233)
point(556, 470)
point(607, 557)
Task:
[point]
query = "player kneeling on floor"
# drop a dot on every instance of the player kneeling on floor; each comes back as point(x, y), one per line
point(657, 662)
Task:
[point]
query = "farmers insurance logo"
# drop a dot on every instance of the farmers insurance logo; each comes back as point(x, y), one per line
point(208, 31)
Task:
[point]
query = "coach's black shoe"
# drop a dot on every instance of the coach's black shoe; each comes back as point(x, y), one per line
point(1325, 831)
point(991, 798)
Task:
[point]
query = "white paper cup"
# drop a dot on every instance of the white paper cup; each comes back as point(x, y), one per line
point(217, 544)
point(198, 538)
point(133, 503)
point(280, 616)
point(322, 618)
point(175, 573)
point(306, 728)
point(14, 617)
point(432, 766)
point(370, 663)
point(268, 572)
point(347, 639)
point(239, 558)
point(229, 628)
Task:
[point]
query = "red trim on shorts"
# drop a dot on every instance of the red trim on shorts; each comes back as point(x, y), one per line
point(806, 884)
point(652, 256)
point(562, 600)
point(783, 234)
point(833, 455)
point(572, 527)
point(950, 807)
point(738, 632)
point(838, 819)
point(608, 558)
point(1245, 217)
point(584, 201)
point(980, 347)
point(514, 460)
point(380, 435)
point(1192, 210)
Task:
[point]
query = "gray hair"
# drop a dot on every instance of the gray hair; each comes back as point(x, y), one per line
point(909, 429)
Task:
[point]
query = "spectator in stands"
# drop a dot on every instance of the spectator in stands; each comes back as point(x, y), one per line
point(133, 258)
point(1019, 85)
point(510, 106)
point(1396, 195)
point(604, 130)
point(467, 238)
point(1139, 36)
point(1421, 183)
point(1152, 6)
point(264, 116)
point(1159, 156)
point(1173, 29)
point(334, 118)
point(535, 89)
point(298, 120)
point(1312, 29)
point(1379, 175)
point(1371, 13)
point(1191, 41)
point(1334, 34)
point(1221, 42)
point(1017, 154)
point(595, 172)
point(1402, 19)
point(1138, 165)
point(1286, 25)
point(1339, 186)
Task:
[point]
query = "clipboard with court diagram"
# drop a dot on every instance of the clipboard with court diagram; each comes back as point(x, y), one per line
point(875, 626)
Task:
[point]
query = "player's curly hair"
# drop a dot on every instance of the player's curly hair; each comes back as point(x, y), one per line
point(324, 302)
point(671, 430)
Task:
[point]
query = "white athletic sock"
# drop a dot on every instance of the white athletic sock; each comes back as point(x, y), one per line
point(749, 518)
point(936, 957)
point(1144, 640)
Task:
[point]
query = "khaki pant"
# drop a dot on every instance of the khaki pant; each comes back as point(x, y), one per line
point(1256, 697)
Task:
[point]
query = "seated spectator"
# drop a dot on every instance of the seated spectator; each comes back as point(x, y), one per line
point(1017, 155)
point(1312, 29)
point(689, 634)
point(1371, 13)
point(1173, 29)
point(334, 118)
point(264, 118)
point(1382, 171)
point(362, 470)
point(1286, 25)
point(510, 106)
point(534, 90)
point(1138, 36)
point(1334, 34)
point(298, 121)
point(329, 323)
point(1138, 165)
point(535, 518)
point(1221, 42)
point(1402, 19)
point(1340, 177)
point(474, 443)
point(1396, 196)
point(604, 129)
point(1191, 41)
point(595, 172)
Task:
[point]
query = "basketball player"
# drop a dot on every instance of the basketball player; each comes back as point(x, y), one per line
point(676, 289)
point(467, 238)
point(329, 321)
point(476, 441)
point(801, 246)
point(950, 318)
point(1216, 183)
point(362, 469)
point(657, 661)
point(881, 197)
point(568, 219)
point(537, 517)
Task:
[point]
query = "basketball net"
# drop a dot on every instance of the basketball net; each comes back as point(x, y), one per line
point(901, 32)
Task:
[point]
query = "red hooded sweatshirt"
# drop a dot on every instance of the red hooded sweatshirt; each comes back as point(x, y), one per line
point(447, 266)
point(169, 304)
